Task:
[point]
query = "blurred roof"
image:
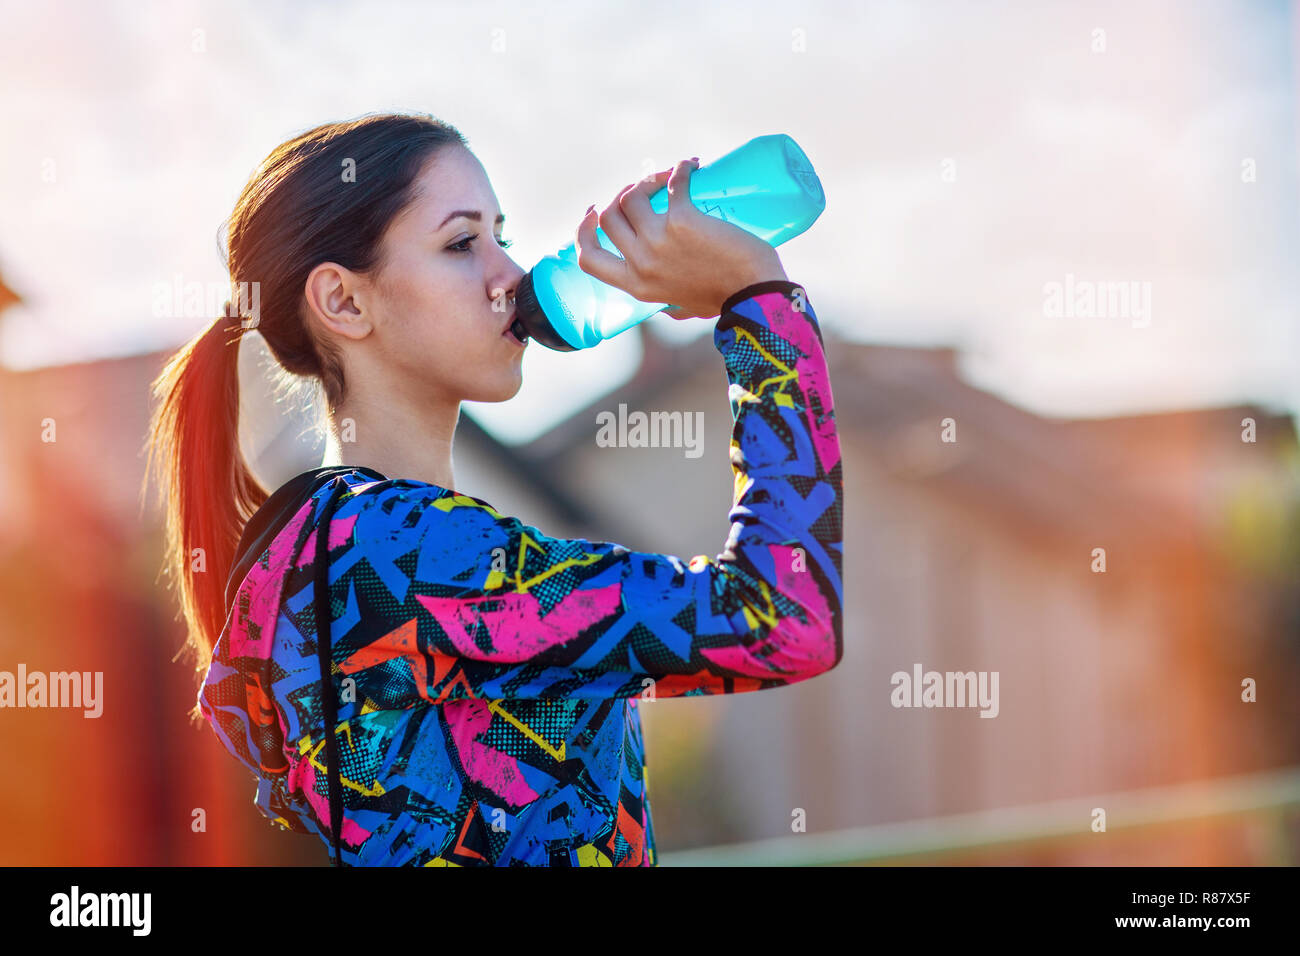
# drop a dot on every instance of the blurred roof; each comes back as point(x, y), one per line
point(1149, 476)
point(1122, 478)
point(8, 296)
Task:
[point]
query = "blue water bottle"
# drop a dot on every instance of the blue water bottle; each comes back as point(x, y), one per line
point(766, 187)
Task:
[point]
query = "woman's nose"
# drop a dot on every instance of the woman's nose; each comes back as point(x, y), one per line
point(510, 282)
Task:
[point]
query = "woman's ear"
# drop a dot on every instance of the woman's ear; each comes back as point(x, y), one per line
point(332, 294)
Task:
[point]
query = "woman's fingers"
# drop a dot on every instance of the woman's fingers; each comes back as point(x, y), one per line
point(615, 225)
point(635, 201)
point(679, 189)
point(648, 265)
point(594, 259)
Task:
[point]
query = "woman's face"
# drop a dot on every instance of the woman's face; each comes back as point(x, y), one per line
point(445, 290)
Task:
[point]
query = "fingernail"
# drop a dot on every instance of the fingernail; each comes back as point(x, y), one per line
point(589, 209)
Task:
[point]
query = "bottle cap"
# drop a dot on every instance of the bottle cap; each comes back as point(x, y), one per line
point(530, 315)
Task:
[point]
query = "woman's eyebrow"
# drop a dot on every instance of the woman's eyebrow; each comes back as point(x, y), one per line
point(468, 214)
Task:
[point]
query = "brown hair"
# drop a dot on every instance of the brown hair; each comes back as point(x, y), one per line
point(327, 195)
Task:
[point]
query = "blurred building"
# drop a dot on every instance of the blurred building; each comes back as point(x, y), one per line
point(976, 555)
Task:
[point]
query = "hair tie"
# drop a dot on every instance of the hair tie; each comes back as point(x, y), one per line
point(227, 314)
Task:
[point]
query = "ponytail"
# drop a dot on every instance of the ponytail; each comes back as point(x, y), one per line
point(208, 490)
point(295, 212)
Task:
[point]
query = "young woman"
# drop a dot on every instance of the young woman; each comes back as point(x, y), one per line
point(413, 676)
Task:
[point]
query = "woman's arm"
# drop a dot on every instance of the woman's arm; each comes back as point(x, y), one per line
point(430, 614)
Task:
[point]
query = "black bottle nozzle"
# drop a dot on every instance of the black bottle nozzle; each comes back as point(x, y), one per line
point(532, 319)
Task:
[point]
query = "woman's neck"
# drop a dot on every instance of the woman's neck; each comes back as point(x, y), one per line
point(394, 442)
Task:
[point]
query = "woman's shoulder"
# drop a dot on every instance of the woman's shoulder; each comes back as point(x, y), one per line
point(389, 517)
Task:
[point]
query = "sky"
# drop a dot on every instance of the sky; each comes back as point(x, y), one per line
point(981, 162)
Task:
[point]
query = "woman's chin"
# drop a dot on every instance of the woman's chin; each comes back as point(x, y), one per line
point(502, 392)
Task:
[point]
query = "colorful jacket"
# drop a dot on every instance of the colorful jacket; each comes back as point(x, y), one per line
point(490, 677)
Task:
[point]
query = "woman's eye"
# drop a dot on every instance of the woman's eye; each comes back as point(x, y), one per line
point(464, 244)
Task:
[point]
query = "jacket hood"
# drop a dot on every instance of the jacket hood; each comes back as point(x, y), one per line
point(270, 519)
point(236, 696)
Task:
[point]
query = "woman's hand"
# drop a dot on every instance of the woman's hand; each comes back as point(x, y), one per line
point(682, 256)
